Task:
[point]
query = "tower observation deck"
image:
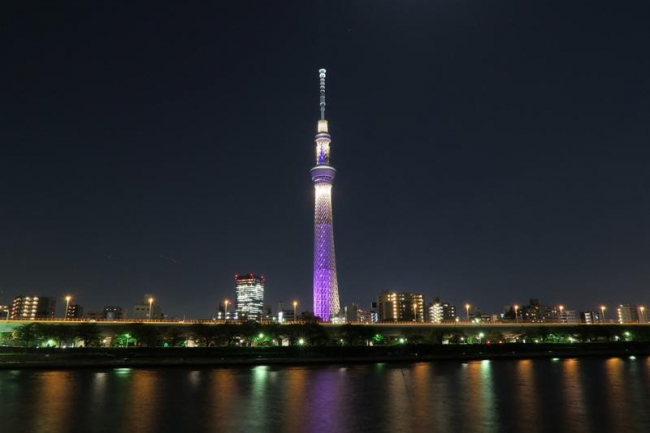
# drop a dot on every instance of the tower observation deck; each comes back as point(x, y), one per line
point(326, 287)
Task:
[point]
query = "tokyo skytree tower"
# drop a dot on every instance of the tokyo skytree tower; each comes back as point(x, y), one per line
point(326, 287)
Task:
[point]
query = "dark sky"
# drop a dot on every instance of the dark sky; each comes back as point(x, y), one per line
point(487, 152)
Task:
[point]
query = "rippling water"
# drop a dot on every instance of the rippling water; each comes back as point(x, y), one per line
point(571, 395)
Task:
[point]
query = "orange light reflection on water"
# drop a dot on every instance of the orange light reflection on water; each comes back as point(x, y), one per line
point(421, 389)
point(295, 397)
point(53, 402)
point(143, 399)
point(525, 389)
point(479, 392)
point(224, 396)
point(619, 411)
point(576, 418)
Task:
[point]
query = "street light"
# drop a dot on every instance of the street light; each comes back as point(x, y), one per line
point(602, 309)
point(467, 309)
point(150, 307)
point(225, 311)
point(561, 313)
point(516, 316)
point(67, 306)
point(295, 315)
point(642, 318)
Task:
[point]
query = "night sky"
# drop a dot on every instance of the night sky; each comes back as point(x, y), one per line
point(486, 152)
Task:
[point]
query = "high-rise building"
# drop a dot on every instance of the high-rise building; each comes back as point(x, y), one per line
point(250, 296)
point(4, 311)
point(326, 287)
point(401, 307)
point(33, 307)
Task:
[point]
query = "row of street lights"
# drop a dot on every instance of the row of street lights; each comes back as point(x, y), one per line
point(68, 298)
point(561, 308)
point(227, 302)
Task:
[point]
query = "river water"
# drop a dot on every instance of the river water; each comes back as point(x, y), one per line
point(544, 395)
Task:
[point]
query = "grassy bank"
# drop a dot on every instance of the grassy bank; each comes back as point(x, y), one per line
point(19, 358)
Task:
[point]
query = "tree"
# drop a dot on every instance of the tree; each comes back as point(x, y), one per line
point(173, 336)
point(413, 336)
point(494, 336)
point(437, 336)
point(203, 334)
point(62, 334)
point(293, 332)
point(249, 331)
point(145, 334)
point(355, 335)
point(274, 332)
point(315, 334)
point(88, 333)
point(29, 334)
point(456, 336)
point(6, 338)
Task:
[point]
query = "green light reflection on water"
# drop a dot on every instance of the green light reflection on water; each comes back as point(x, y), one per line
point(487, 396)
point(257, 409)
point(260, 378)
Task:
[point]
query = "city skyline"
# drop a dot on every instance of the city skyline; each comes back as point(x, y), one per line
point(247, 303)
point(487, 153)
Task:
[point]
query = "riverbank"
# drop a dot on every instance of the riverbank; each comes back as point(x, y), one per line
point(17, 358)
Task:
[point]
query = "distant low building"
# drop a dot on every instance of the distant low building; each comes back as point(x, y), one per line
point(627, 313)
point(570, 316)
point(401, 307)
point(147, 310)
point(113, 312)
point(351, 313)
point(535, 312)
point(365, 316)
point(94, 315)
point(374, 312)
point(590, 317)
point(441, 312)
point(75, 311)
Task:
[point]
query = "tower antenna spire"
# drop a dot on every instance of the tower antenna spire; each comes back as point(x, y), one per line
point(321, 74)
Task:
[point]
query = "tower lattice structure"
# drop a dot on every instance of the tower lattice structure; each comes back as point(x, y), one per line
point(326, 287)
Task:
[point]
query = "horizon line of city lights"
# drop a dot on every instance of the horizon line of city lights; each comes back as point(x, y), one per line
point(559, 311)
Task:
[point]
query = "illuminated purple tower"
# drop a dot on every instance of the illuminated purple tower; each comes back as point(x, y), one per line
point(326, 286)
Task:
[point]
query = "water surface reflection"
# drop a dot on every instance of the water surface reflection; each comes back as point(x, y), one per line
point(572, 395)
